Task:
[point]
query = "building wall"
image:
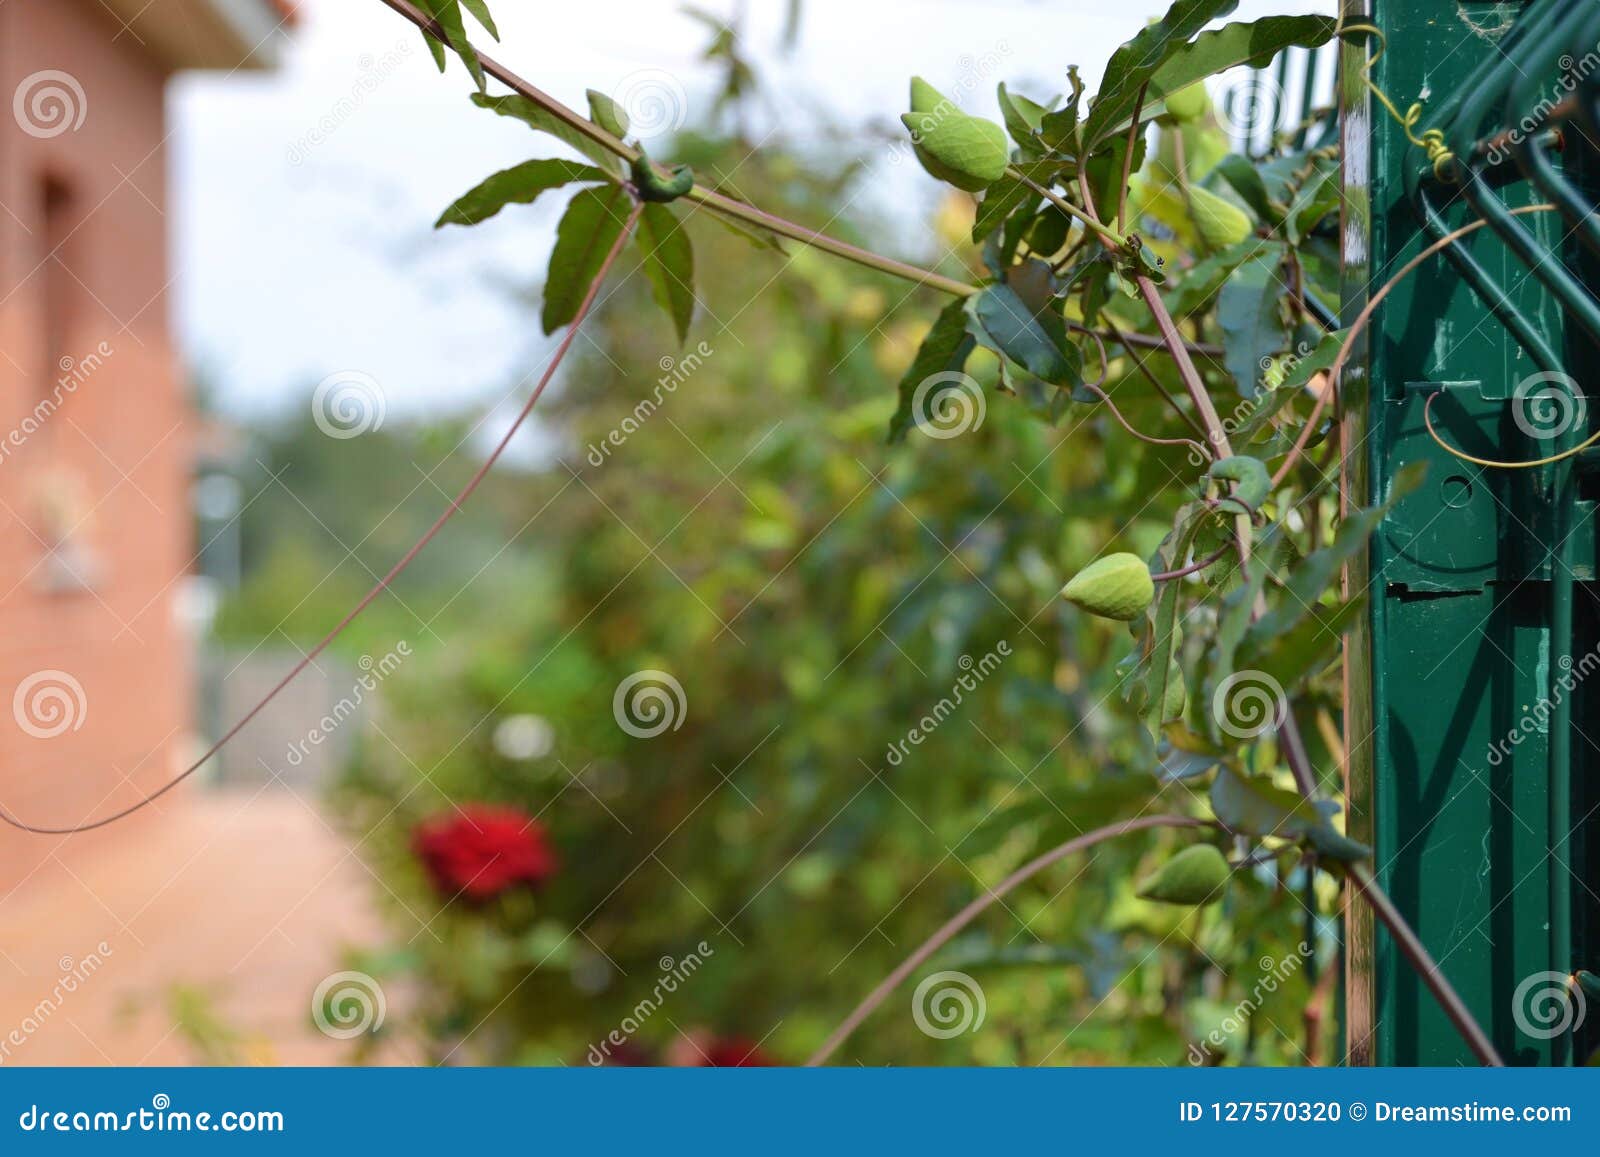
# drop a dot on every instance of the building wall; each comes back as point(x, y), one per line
point(94, 435)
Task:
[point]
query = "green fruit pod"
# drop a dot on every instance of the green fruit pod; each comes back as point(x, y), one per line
point(1195, 875)
point(1117, 586)
point(1188, 105)
point(965, 151)
point(1221, 223)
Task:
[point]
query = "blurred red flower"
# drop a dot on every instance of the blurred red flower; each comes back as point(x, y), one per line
point(483, 849)
point(700, 1048)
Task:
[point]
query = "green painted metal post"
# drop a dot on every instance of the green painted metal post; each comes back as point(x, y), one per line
point(1469, 757)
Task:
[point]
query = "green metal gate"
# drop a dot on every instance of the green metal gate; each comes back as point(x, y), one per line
point(1473, 765)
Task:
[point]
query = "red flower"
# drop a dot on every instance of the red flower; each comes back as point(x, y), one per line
point(736, 1052)
point(483, 849)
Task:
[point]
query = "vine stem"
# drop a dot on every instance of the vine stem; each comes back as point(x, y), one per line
point(1289, 737)
point(710, 199)
point(964, 917)
point(394, 572)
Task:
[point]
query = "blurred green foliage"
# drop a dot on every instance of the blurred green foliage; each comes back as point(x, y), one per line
point(818, 595)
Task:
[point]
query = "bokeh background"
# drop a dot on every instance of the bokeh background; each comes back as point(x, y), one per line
point(665, 667)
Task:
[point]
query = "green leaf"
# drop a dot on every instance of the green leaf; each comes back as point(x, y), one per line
point(944, 350)
point(480, 13)
point(1023, 119)
point(669, 264)
point(1196, 875)
point(1002, 199)
point(1247, 311)
point(518, 185)
point(1254, 805)
point(1246, 181)
point(1024, 321)
point(607, 113)
point(448, 14)
point(1136, 63)
point(1253, 43)
point(1058, 127)
point(584, 237)
point(536, 118)
point(1205, 278)
point(1164, 620)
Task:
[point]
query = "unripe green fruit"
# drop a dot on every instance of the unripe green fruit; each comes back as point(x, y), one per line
point(1177, 696)
point(968, 152)
point(1115, 587)
point(1220, 221)
point(926, 98)
point(1195, 875)
point(1188, 104)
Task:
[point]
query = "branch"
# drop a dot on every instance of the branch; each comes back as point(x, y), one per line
point(394, 572)
point(964, 917)
point(714, 201)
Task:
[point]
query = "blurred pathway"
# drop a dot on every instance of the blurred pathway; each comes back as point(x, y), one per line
point(245, 898)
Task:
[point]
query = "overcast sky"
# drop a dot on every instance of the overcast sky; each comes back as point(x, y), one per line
point(303, 235)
